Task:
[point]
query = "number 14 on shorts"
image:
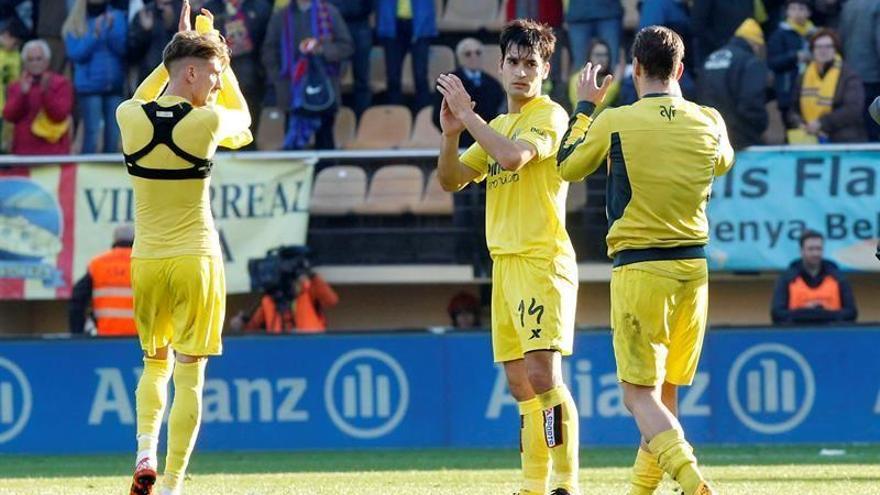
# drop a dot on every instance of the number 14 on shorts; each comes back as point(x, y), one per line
point(535, 310)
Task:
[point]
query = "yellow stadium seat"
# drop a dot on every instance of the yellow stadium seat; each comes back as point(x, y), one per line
point(425, 134)
point(270, 135)
point(344, 127)
point(338, 190)
point(435, 201)
point(393, 190)
point(468, 15)
point(441, 59)
point(383, 126)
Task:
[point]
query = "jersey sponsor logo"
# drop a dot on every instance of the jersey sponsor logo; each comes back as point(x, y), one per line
point(366, 393)
point(771, 388)
point(16, 400)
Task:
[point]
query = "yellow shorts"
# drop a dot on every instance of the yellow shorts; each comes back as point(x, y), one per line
point(658, 318)
point(533, 306)
point(179, 301)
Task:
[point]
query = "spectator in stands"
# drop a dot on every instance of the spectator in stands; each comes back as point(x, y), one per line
point(830, 94)
point(357, 17)
point(591, 19)
point(305, 27)
point(464, 311)
point(51, 17)
point(312, 295)
point(95, 36)
point(106, 287)
point(243, 23)
point(151, 28)
point(713, 22)
point(812, 290)
point(860, 30)
point(734, 81)
point(10, 70)
point(788, 51)
point(600, 55)
point(401, 26)
point(484, 89)
point(39, 105)
point(20, 14)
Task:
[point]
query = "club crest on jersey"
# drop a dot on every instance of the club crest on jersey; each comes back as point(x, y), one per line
point(668, 112)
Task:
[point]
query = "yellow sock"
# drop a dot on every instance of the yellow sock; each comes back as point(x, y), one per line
point(183, 423)
point(647, 475)
point(150, 399)
point(676, 457)
point(533, 448)
point(561, 435)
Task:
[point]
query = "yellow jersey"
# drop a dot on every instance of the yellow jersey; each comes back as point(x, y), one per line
point(173, 217)
point(525, 210)
point(662, 154)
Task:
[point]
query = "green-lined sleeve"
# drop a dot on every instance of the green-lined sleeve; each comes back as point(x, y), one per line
point(585, 146)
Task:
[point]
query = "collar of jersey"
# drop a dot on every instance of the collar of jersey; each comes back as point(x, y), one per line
point(168, 100)
point(656, 95)
point(533, 102)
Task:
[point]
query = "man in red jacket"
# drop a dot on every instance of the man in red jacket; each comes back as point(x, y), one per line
point(38, 90)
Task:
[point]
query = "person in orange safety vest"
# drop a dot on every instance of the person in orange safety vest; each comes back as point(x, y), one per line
point(106, 287)
point(812, 291)
point(311, 296)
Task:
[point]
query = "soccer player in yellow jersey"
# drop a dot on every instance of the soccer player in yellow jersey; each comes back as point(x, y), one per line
point(534, 277)
point(176, 269)
point(662, 154)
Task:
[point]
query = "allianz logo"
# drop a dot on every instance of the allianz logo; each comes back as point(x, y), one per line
point(366, 395)
point(599, 395)
point(16, 400)
point(771, 388)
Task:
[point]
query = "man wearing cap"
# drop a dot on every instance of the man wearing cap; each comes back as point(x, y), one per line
point(733, 80)
point(107, 285)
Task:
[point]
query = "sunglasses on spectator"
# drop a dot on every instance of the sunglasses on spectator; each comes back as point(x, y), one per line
point(471, 53)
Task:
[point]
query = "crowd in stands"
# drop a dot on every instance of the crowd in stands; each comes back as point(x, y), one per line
point(805, 69)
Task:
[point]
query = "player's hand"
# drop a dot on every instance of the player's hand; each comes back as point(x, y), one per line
point(184, 23)
point(207, 13)
point(308, 45)
point(588, 88)
point(449, 123)
point(813, 128)
point(456, 97)
point(26, 83)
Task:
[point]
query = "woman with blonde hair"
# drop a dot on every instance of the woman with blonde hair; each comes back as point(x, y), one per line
point(95, 35)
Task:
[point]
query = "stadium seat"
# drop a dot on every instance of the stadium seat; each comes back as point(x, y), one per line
point(468, 15)
point(775, 133)
point(491, 60)
point(425, 134)
point(383, 126)
point(338, 190)
point(436, 201)
point(393, 190)
point(344, 127)
point(577, 197)
point(270, 135)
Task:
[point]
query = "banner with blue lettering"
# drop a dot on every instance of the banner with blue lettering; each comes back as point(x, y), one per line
point(759, 210)
point(424, 390)
point(56, 218)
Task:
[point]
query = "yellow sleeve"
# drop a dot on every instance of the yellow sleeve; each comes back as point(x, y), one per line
point(726, 157)
point(476, 158)
point(151, 87)
point(545, 132)
point(233, 115)
point(586, 144)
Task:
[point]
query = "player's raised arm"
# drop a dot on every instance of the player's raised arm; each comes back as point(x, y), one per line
point(452, 174)
point(585, 146)
point(726, 156)
point(510, 154)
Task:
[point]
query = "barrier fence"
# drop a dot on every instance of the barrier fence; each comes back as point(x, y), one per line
point(427, 390)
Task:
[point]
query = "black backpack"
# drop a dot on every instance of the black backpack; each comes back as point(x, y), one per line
point(317, 94)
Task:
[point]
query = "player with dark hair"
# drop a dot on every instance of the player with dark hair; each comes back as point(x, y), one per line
point(177, 268)
point(534, 289)
point(662, 153)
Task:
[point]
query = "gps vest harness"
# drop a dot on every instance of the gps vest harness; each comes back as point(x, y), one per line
point(164, 119)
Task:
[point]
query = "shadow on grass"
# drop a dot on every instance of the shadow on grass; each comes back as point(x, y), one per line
point(27, 466)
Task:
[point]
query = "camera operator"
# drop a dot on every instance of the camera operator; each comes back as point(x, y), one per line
point(295, 305)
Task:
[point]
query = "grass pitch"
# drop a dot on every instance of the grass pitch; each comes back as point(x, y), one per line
point(799, 470)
